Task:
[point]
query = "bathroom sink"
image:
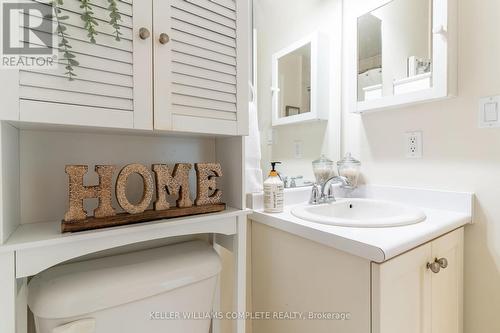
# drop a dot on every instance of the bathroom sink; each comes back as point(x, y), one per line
point(360, 213)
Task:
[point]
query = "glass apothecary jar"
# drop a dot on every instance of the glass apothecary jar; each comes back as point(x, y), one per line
point(349, 168)
point(323, 169)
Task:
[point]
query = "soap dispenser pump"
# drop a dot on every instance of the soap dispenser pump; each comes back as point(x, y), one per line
point(273, 191)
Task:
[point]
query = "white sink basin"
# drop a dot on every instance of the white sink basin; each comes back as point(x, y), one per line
point(360, 213)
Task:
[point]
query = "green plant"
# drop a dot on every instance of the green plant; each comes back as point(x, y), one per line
point(68, 56)
point(115, 17)
point(90, 24)
point(88, 18)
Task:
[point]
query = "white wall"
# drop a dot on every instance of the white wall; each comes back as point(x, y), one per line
point(279, 23)
point(457, 155)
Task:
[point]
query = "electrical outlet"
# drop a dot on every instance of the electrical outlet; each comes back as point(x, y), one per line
point(414, 144)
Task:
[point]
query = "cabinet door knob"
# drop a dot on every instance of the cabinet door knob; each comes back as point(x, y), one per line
point(434, 267)
point(144, 33)
point(164, 38)
point(443, 262)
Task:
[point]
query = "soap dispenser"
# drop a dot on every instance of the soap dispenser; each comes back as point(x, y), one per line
point(273, 191)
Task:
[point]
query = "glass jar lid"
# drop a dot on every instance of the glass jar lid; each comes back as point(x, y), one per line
point(323, 160)
point(348, 159)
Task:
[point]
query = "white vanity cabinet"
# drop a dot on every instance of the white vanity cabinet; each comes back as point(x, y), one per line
point(407, 296)
point(181, 65)
point(402, 294)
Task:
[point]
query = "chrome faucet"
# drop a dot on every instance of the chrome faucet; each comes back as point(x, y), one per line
point(318, 195)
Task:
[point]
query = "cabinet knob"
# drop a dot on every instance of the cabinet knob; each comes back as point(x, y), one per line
point(164, 38)
point(144, 33)
point(443, 262)
point(434, 267)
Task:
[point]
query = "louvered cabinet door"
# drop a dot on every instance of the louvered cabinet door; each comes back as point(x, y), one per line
point(113, 86)
point(201, 66)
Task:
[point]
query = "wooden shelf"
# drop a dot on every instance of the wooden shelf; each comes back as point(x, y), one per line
point(42, 245)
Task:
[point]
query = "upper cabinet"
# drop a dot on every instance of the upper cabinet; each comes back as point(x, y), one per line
point(112, 83)
point(403, 53)
point(201, 75)
point(180, 65)
point(301, 81)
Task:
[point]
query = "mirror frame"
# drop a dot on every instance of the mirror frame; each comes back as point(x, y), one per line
point(444, 58)
point(320, 87)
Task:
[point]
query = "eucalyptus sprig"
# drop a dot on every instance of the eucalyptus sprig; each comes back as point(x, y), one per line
point(68, 55)
point(90, 25)
point(115, 17)
point(90, 22)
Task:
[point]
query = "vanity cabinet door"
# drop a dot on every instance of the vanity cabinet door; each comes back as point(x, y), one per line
point(201, 66)
point(447, 285)
point(113, 82)
point(409, 297)
point(401, 293)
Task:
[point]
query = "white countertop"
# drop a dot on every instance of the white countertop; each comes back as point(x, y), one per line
point(445, 211)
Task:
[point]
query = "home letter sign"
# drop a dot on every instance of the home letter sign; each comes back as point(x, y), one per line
point(121, 187)
point(205, 176)
point(78, 192)
point(175, 183)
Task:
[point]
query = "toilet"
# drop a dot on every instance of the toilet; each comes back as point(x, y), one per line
point(153, 291)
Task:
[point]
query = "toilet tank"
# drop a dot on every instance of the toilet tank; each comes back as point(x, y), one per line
point(168, 289)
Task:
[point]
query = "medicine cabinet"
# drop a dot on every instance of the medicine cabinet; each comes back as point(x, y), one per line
point(403, 52)
point(300, 81)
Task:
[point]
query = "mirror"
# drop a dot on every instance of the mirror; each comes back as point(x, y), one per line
point(395, 50)
point(294, 82)
point(300, 75)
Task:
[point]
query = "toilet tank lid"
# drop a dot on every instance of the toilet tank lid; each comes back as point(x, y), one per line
point(84, 287)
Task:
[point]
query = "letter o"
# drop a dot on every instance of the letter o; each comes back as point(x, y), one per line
point(121, 186)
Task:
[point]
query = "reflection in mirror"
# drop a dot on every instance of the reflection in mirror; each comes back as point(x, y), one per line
point(294, 82)
point(395, 49)
point(370, 57)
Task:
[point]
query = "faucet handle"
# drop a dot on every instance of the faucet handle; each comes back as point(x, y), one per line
point(284, 179)
point(315, 195)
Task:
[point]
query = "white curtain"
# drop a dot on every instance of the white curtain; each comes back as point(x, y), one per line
point(254, 177)
point(253, 153)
